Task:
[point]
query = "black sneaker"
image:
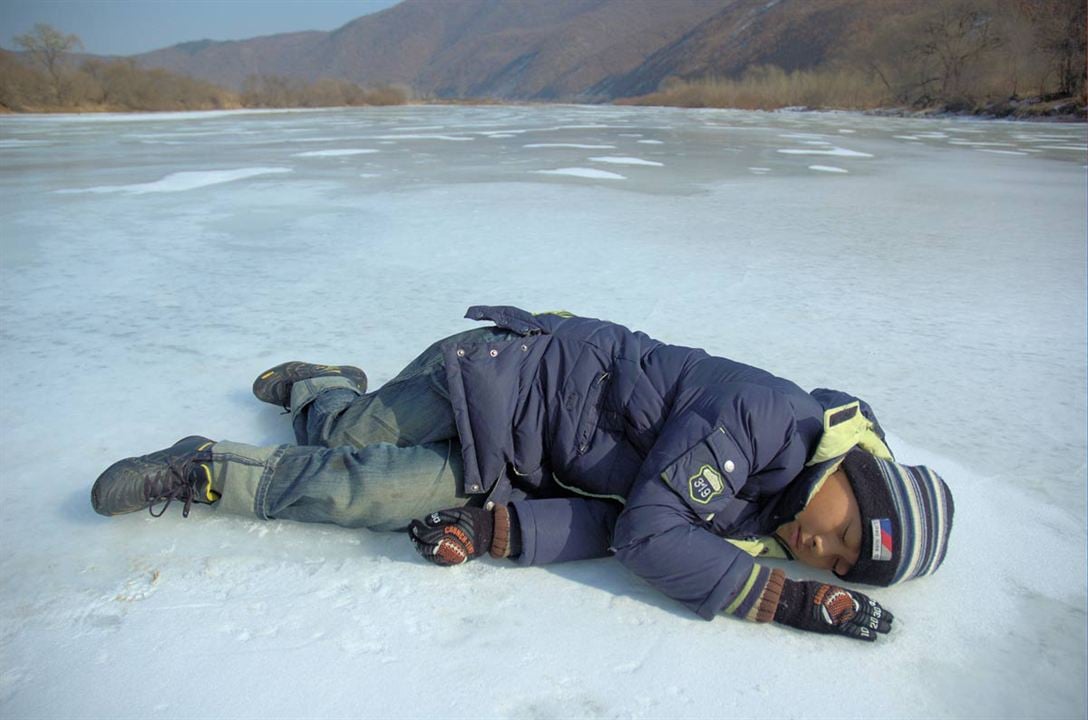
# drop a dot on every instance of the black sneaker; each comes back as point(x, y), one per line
point(274, 385)
point(182, 471)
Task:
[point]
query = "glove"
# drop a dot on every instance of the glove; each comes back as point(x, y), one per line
point(454, 536)
point(819, 607)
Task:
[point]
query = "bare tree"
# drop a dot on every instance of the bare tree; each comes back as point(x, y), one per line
point(957, 34)
point(48, 47)
point(1060, 33)
point(892, 53)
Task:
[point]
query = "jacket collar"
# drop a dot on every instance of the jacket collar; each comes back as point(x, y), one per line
point(847, 425)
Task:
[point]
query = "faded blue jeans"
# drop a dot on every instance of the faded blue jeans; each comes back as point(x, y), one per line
point(374, 460)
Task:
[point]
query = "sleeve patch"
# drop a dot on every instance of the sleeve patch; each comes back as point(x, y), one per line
point(708, 474)
point(705, 485)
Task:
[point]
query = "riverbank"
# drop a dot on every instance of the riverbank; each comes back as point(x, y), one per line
point(771, 88)
point(1062, 110)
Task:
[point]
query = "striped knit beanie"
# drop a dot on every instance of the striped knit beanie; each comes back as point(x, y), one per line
point(906, 517)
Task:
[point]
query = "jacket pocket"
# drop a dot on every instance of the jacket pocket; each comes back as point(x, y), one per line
point(709, 474)
point(591, 412)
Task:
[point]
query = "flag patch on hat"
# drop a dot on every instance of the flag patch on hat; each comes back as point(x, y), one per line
point(882, 539)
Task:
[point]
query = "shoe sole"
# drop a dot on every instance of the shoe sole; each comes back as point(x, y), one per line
point(266, 387)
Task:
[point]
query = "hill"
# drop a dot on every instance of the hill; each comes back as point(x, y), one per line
point(518, 49)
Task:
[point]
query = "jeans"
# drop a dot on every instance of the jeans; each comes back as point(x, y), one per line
point(374, 460)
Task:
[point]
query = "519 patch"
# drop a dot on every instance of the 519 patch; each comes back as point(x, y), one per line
point(705, 485)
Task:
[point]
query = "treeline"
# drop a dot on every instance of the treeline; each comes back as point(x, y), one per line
point(265, 91)
point(46, 79)
point(1000, 57)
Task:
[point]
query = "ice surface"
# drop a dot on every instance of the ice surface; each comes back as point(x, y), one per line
point(944, 284)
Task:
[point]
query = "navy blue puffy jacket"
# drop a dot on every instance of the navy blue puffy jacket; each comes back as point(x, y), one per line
point(620, 442)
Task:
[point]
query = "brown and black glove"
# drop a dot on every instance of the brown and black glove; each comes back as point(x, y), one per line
point(819, 607)
point(454, 536)
point(457, 535)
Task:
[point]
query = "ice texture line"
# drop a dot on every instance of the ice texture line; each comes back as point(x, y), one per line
point(182, 181)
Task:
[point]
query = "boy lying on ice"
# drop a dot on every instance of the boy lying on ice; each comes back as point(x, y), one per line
point(550, 438)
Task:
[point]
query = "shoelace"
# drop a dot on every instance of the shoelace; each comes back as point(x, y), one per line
point(171, 491)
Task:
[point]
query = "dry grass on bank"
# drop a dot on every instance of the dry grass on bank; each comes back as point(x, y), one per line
point(123, 86)
point(770, 88)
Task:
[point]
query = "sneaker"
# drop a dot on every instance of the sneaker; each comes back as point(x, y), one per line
point(182, 471)
point(274, 385)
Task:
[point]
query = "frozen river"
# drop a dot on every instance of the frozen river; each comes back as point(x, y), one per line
point(151, 265)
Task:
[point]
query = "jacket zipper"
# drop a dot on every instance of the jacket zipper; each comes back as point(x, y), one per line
point(594, 398)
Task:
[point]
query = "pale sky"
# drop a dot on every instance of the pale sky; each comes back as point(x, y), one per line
point(127, 27)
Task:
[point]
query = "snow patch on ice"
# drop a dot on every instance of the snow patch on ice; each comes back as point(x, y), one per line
point(578, 146)
point(835, 151)
point(980, 143)
point(651, 142)
point(327, 138)
point(583, 173)
point(827, 169)
point(801, 136)
point(416, 136)
point(16, 142)
point(623, 160)
point(336, 153)
point(182, 181)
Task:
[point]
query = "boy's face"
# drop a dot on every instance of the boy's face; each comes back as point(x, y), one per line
point(827, 533)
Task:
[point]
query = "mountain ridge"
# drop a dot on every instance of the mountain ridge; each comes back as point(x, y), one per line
point(501, 49)
point(748, 53)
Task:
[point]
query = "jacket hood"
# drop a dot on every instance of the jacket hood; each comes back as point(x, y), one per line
point(848, 423)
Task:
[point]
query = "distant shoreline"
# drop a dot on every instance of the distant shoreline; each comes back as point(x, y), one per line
point(1050, 112)
point(1060, 110)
